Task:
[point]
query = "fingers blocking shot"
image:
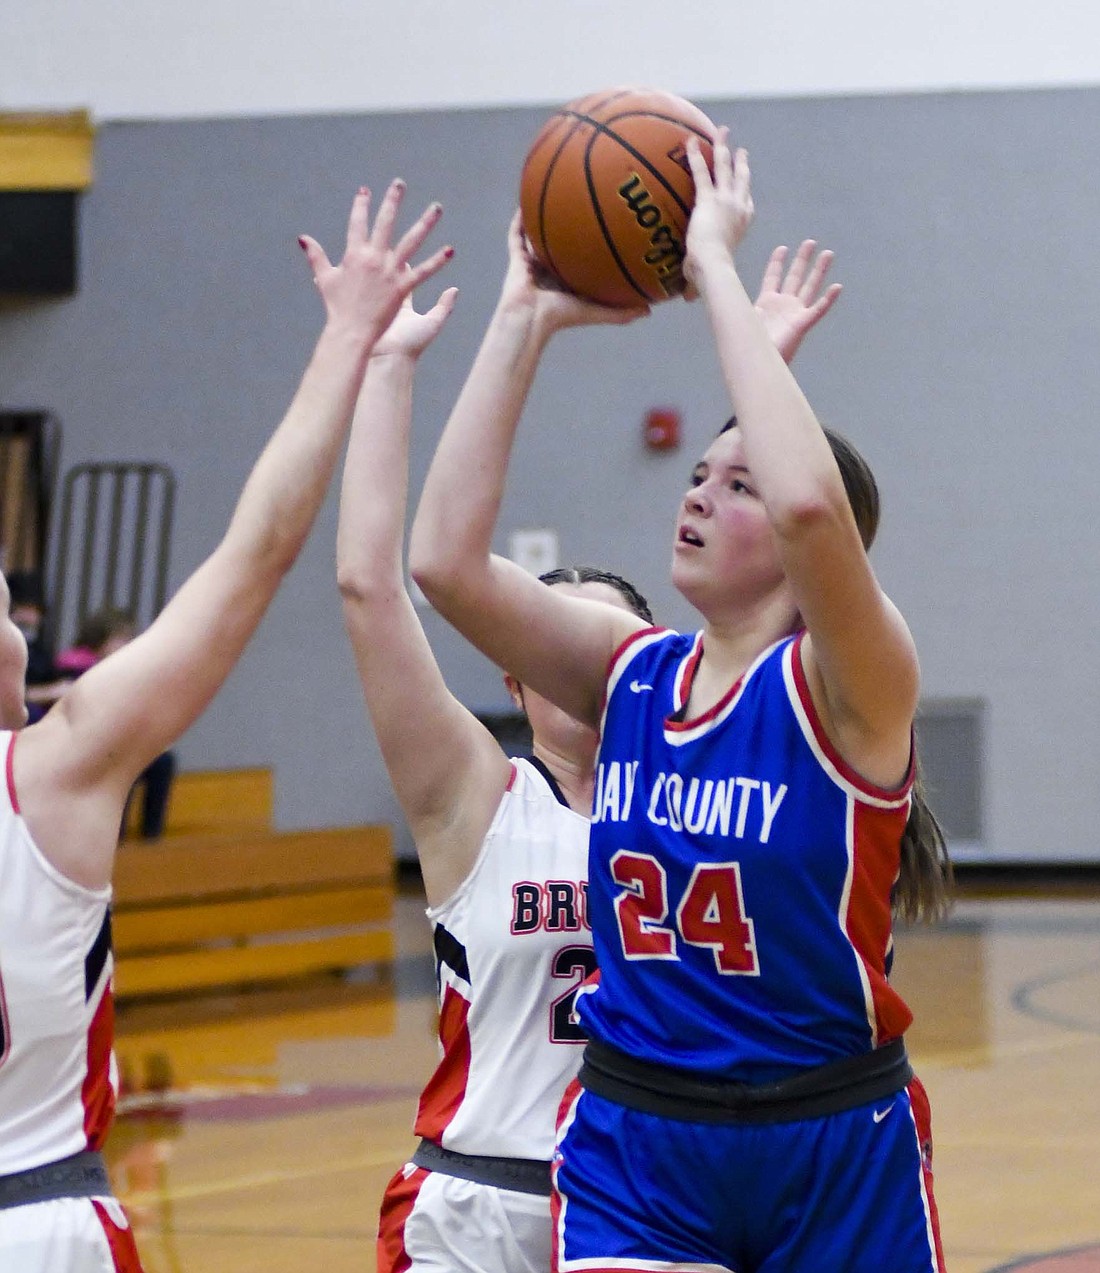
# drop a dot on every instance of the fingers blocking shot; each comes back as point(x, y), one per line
point(369, 284)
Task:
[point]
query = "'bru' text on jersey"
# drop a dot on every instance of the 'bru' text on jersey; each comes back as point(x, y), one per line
point(558, 906)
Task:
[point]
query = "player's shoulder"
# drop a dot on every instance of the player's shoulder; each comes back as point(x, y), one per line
point(533, 782)
point(651, 643)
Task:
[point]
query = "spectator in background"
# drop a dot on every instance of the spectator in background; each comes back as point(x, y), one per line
point(100, 634)
point(28, 613)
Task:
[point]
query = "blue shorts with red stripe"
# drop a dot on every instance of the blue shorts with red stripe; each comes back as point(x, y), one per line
point(845, 1193)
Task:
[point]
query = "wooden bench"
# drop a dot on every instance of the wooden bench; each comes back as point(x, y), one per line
point(216, 800)
point(235, 908)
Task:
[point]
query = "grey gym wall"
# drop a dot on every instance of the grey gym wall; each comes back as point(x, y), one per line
point(960, 358)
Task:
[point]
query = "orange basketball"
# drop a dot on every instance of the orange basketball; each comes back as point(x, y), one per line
point(606, 194)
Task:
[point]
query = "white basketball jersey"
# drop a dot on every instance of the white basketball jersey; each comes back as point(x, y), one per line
point(58, 1078)
point(512, 947)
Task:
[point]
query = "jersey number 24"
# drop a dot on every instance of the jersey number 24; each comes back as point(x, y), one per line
point(711, 913)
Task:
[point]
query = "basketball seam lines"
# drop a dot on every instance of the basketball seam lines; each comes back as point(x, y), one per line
point(595, 200)
point(668, 119)
point(543, 193)
point(641, 159)
point(578, 120)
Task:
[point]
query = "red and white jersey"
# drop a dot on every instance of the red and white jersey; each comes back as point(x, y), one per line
point(512, 946)
point(58, 1078)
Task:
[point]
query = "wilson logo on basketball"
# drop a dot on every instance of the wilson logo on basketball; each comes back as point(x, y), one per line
point(666, 253)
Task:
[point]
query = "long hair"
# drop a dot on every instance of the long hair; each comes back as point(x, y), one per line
point(922, 893)
point(923, 889)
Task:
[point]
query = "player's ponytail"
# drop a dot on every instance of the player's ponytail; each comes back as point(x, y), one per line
point(923, 891)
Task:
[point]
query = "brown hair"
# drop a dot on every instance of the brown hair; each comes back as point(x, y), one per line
point(593, 574)
point(922, 893)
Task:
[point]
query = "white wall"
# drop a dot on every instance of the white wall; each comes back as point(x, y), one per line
point(156, 60)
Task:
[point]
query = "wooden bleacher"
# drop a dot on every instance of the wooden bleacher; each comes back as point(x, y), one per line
point(222, 900)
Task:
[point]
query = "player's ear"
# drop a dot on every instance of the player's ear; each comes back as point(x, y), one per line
point(515, 692)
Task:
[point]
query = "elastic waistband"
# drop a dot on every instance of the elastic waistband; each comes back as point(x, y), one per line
point(84, 1175)
point(700, 1098)
point(521, 1175)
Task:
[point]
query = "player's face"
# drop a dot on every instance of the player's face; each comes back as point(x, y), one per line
point(724, 548)
point(553, 729)
point(13, 665)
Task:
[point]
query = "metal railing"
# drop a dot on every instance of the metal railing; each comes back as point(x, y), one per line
point(113, 541)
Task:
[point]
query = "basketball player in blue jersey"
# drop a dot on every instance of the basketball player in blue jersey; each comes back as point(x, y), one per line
point(745, 1103)
point(503, 848)
point(66, 778)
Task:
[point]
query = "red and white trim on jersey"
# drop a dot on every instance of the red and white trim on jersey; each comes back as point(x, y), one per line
point(838, 769)
point(627, 651)
point(9, 771)
point(920, 1112)
point(446, 1089)
point(679, 732)
point(101, 1079)
point(864, 911)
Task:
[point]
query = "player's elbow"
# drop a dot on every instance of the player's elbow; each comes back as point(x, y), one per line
point(435, 582)
point(360, 586)
point(435, 570)
point(353, 585)
point(805, 514)
point(257, 562)
point(275, 551)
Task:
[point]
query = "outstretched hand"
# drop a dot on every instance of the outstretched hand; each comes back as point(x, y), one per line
point(363, 293)
point(792, 305)
point(529, 285)
point(411, 333)
point(723, 208)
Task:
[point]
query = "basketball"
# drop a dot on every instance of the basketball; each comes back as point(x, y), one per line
point(606, 194)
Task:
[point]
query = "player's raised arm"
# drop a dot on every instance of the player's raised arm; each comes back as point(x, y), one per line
point(447, 770)
point(560, 645)
point(860, 657)
point(132, 705)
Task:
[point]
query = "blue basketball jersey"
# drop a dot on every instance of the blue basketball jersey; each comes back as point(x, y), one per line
point(740, 874)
